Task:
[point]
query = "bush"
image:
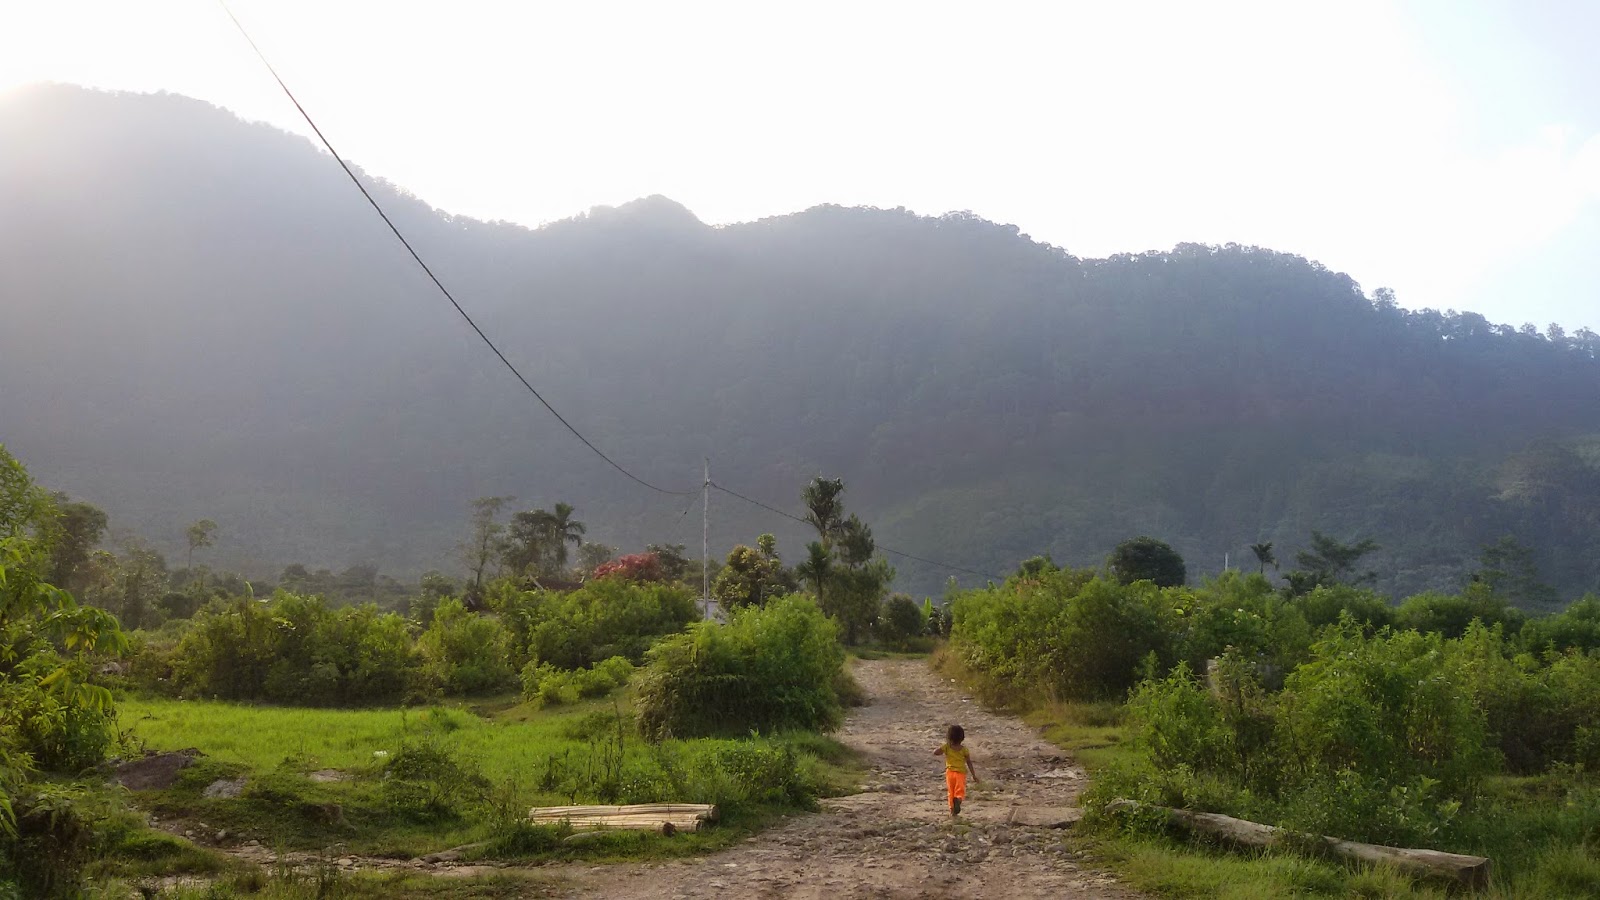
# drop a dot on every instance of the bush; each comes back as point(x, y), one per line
point(1371, 739)
point(1067, 633)
point(770, 668)
point(424, 782)
point(901, 623)
point(466, 653)
point(606, 618)
point(1450, 614)
point(545, 685)
point(294, 649)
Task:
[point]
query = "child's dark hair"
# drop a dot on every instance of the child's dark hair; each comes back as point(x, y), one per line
point(955, 735)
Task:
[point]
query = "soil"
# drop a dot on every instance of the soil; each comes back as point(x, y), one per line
point(897, 838)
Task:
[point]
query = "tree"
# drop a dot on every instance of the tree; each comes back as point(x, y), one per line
point(901, 621)
point(592, 555)
point(564, 530)
point(481, 547)
point(1330, 562)
point(674, 565)
point(839, 565)
point(537, 541)
point(1147, 559)
point(201, 534)
point(751, 576)
point(1508, 570)
point(79, 527)
point(1264, 556)
point(51, 716)
point(141, 581)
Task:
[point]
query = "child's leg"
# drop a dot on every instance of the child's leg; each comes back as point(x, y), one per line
point(956, 789)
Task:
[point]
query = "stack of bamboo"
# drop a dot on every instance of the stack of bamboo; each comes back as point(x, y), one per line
point(667, 818)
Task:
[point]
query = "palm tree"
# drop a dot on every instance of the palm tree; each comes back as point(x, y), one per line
point(564, 530)
point(1264, 556)
point(817, 568)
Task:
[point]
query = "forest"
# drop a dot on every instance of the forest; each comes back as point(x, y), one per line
point(264, 361)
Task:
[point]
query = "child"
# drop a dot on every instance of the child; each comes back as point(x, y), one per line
point(957, 763)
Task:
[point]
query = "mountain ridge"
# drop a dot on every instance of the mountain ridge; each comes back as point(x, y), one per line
point(264, 353)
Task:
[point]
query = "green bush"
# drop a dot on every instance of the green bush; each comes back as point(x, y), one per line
point(1575, 628)
point(1068, 633)
point(466, 653)
point(424, 782)
point(293, 649)
point(770, 668)
point(1450, 614)
point(605, 618)
point(901, 623)
point(1372, 738)
point(545, 685)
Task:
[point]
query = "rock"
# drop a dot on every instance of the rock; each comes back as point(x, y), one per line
point(222, 835)
point(155, 772)
point(327, 776)
point(441, 856)
point(224, 788)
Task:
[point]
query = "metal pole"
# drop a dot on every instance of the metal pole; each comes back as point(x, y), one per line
point(705, 544)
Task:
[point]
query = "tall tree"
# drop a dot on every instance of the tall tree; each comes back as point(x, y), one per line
point(79, 527)
point(1508, 570)
point(850, 584)
point(1331, 562)
point(1264, 556)
point(201, 534)
point(481, 547)
point(564, 530)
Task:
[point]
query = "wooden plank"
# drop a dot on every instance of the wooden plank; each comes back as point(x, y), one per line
point(667, 818)
point(1470, 871)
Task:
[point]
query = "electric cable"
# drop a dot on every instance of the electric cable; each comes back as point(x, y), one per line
point(425, 268)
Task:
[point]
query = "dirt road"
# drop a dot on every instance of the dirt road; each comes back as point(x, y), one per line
point(896, 840)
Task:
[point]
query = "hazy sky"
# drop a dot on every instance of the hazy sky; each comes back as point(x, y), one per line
point(1449, 149)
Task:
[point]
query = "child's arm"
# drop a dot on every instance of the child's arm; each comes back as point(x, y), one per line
point(939, 750)
point(972, 768)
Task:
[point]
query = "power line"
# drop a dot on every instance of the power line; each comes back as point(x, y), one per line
point(788, 515)
point(432, 277)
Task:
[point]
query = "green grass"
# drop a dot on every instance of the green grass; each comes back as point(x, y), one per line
point(263, 738)
point(528, 757)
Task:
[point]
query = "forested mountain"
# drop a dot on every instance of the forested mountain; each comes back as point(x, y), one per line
point(201, 318)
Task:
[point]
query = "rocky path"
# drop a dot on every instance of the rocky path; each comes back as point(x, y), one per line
point(896, 840)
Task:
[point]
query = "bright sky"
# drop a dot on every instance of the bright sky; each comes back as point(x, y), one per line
point(1447, 149)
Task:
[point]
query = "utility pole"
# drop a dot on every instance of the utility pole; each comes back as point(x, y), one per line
point(705, 544)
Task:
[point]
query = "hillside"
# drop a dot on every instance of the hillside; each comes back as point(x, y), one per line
point(202, 318)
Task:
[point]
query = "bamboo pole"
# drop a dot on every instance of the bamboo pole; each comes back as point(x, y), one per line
point(1469, 871)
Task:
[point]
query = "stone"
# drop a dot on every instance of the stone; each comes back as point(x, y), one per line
point(224, 789)
point(155, 772)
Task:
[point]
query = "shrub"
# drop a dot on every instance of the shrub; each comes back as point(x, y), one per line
point(424, 782)
point(769, 668)
point(1450, 614)
point(608, 617)
point(293, 649)
point(545, 685)
point(901, 622)
point(466, 653)
point(1067, 633)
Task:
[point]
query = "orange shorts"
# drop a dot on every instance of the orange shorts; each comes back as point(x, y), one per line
point(955, 784)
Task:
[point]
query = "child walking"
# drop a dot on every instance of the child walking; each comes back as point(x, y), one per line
point(957, 764)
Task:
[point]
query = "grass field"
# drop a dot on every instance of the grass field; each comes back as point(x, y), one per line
point(514, 757)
